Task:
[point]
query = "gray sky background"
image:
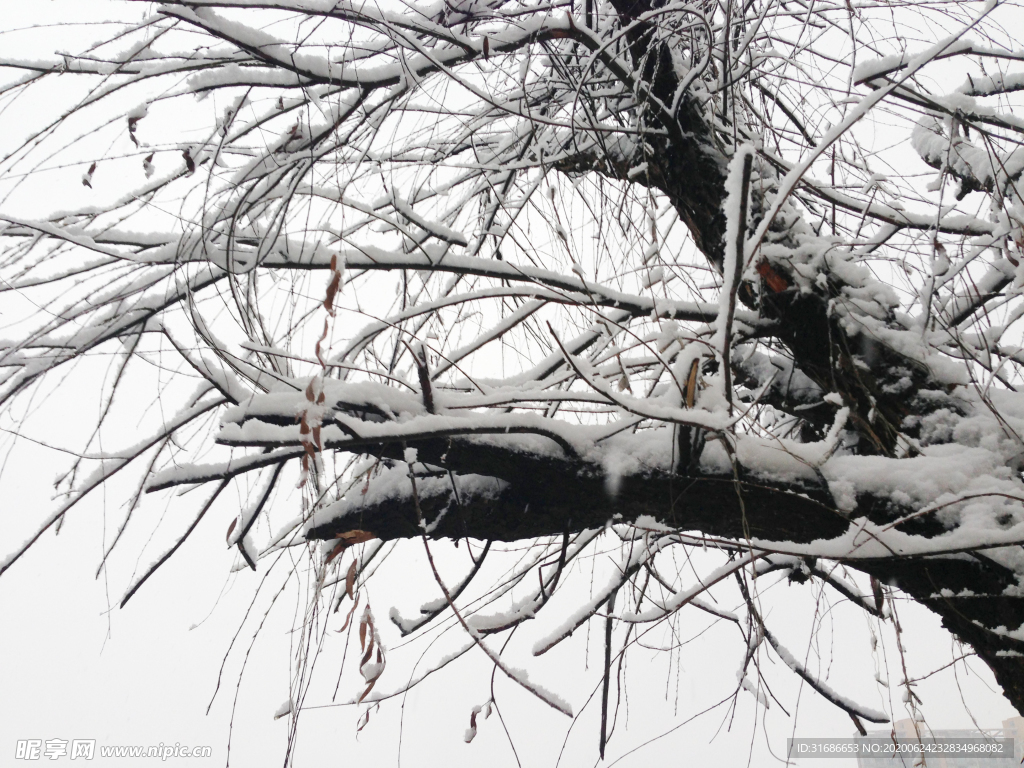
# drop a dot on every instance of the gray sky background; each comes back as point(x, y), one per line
point(73, 667)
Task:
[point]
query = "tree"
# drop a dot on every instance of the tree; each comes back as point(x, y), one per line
point(632, 270)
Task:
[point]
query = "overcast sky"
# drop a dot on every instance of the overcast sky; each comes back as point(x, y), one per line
point(74, 666)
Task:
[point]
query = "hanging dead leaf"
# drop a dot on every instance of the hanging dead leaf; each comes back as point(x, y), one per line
point(350, 579)
point(340, 547)
point(362, 629)
point(373, 673)
point(190, 164)
point(332, 290)
point(351, 612)
point(365, 718)
point(230, 529)
point(319, 344)
point(355, 536)
point(471, 731)
point(369, 687)
point(362, 696)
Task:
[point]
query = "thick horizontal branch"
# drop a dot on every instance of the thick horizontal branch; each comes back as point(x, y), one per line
point(513, 496)
point(545, 496)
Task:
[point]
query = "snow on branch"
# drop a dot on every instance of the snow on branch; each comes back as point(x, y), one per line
point(635, 282)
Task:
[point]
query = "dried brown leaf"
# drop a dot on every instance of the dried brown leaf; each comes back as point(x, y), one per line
point(369, 688)
point(332, 291)
point(355, 536)
point(350, 579)
point(338, 548)
point(351, 612)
